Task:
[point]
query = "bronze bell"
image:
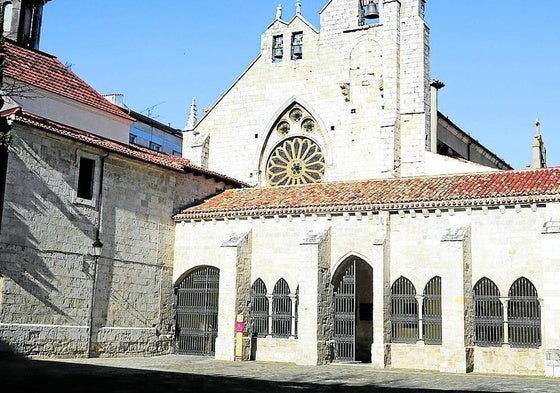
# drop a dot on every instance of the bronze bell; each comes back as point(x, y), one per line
point(371, 10)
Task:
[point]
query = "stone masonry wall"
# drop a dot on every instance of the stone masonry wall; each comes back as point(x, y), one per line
point(501, 243)
point(45, 251)
point(356, 81)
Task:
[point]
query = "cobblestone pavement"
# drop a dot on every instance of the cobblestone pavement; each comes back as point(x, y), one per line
point(192, 374)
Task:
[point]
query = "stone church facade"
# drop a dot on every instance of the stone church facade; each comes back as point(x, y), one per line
point(323, 211)
point(358, 242)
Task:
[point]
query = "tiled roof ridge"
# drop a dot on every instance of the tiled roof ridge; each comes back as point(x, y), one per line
point(524, 186)
point(138, 152)
point(46, 65)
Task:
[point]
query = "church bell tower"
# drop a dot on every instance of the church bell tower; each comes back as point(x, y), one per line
point(21, 21)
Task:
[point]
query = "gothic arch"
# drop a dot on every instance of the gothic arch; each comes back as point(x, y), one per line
point(283, 126)
point(365, 70)
point(347, 256)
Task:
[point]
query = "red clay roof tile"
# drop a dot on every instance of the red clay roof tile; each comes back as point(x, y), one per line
point(489, 188)
point(134, 151)
point(48, 73)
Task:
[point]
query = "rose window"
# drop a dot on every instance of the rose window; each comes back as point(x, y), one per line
point(295, 161)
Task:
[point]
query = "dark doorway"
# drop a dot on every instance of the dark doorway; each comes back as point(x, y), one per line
point(197, 312)
point(353, 311)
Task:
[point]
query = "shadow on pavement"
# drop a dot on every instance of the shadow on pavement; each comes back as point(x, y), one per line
point(50, 376)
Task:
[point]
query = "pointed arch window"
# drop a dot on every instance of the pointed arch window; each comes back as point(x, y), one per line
point(431, 311)
point(259, 308)
point(282, 310)
point(524, 314)
point(296, 158)
point(404, 311)
point(488, 314)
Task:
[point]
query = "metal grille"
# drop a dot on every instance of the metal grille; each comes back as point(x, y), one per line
point(281, 310)
point(431, 311)
point(197, 312)
point(404, 312)
point(488, 313)
point(259, 308)
point(345, 315)
point(524, 315)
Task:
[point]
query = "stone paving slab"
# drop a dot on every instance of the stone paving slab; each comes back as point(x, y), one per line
point(174, 373)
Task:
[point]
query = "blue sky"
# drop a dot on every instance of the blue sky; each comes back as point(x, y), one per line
point(500, 60)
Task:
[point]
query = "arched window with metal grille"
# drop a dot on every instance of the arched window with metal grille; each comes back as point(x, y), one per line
point(524, 314)
point(488, 314)
point(281, 310)
point(404, 311)
point(431, 311)
point(259, 308)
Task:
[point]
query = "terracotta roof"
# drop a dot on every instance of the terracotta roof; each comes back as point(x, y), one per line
point(133, 151)
point(476, 189)
point(48, 73)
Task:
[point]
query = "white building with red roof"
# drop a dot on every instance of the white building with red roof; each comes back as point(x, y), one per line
point(377, 231)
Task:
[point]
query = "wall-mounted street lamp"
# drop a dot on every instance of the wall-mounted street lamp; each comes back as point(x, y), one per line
point(97, 247)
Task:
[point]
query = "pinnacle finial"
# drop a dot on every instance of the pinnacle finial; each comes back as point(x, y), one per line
point(193, 117)
point(538, 126)
point(298, 7)
point(279, 11)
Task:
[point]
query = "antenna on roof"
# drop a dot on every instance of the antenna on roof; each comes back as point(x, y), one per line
point(149, 110)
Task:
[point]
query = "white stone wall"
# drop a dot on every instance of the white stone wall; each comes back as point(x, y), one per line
point(363, 131)
point(45, 250)
point(461, 246)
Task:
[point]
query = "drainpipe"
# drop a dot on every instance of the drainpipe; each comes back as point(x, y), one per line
point(4, 135)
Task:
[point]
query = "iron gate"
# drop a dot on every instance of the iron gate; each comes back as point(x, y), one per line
point(197, 312)
point(345, 315)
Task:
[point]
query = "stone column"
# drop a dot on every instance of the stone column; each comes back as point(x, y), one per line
point(381, 347)
point(550, 309)
point(456, 302)
point(505, 302)
point(315, 323)
point(235, 294)
point(420, 301)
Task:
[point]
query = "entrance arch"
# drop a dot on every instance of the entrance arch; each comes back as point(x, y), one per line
point(197, 312)
point(353, 311)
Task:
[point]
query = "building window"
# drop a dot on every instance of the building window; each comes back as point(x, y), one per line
point(155, 146)
point(297, 46)
point(404, 311)
point(86, 176)
point(524, 314)
point(277, 48)
point(488, 314)
point(283, 311)
point(132, 138)
point(177, 153)
point(259, 309)
point(431, 312)
point(87, 181)
point(7, 9)
point(295, 161)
